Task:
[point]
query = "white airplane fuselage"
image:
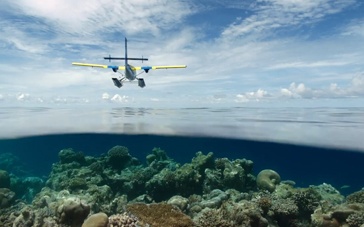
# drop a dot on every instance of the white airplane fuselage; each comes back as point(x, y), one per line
point(130, 73)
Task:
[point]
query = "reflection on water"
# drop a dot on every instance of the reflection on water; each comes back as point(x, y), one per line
point(334, 127)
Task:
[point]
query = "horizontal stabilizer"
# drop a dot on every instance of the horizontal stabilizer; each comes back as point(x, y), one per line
point(117, 58)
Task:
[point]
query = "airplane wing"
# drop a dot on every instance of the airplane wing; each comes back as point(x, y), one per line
point(113, 67)
point(159, 67)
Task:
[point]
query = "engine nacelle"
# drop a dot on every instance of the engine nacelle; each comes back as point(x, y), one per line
point(146, 68)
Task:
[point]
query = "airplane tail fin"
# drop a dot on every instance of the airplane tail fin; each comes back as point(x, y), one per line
point(126, 55)
point(126, 52)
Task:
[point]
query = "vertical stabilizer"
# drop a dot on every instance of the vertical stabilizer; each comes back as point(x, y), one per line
point(126, 52)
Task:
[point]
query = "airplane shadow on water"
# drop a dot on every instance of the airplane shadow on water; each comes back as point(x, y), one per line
point(302, 164)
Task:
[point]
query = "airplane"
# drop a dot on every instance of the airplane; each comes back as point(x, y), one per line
point(130, 72)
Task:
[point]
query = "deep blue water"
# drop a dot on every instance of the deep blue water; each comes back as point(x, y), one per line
point(302, 164)
point(309, 146)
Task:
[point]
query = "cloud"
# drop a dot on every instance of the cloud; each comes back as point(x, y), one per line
point(356, 27)
point(252, 96)
point(276, 14)
point(355, 89)
point(315, 64)
point(115, 98)
point(41, 39)
point(78, 17)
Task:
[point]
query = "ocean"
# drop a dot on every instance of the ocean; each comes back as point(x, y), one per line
point(306, 145)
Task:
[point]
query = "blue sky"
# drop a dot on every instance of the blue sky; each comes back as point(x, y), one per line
point(237, 52)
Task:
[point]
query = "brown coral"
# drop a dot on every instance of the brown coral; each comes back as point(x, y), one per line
point(160, 214)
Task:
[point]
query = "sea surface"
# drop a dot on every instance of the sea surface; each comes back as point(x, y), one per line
point(310, 146)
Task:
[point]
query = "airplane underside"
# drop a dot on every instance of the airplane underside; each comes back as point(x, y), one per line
point(119, 82)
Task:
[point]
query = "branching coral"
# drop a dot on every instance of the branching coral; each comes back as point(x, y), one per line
point(355, 219)
point(356, 197)
point(307, 201)
point(123, 220)
point(212, 218)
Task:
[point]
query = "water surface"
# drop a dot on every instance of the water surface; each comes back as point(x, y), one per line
point(306, 145)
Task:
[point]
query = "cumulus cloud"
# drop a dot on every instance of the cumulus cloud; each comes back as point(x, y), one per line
point(119, 98)
point(357, 85)
point(57, 32)
point(22, 97)
point(115, 98)
point(355, 89)
point(252, 96)
point(105, 96)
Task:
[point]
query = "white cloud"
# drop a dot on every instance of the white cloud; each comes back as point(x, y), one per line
point(273, 14)
point(78, 17)
point(356, 27)
point(355, 89)
point(55, 33)
point(105, 96)
point(22, 97)
point(325, 63)
point(119, 98)
point(252, 96)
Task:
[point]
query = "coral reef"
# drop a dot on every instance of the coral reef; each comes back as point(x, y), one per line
point(356, 197)
point(179, 201)
point(329, 194)
point(7, 197)
point(340, 215)
point(123, 220)
point(157, 155)
point(160, 214)
point(73, 212)
point(69, 156)
point(97, 220)
point(267, 179)
point(119, 157)
point(4, 179)
point(244, 213)
point(116, 189)
point(307, 200)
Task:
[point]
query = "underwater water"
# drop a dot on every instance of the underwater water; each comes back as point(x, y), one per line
point(304, 165)
point(306, 145)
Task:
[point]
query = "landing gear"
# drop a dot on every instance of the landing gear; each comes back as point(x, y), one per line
point(118, 83)
point(141, 82)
